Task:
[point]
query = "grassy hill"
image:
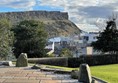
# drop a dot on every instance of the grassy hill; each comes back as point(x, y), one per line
point(56, 23)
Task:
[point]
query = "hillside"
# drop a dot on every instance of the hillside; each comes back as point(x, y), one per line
point(56, 23)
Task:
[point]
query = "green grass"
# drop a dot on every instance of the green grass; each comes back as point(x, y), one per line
point(106, 72)
point(62, 68)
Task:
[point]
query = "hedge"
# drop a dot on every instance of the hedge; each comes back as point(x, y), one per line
point(91, 60)
point(57, 61)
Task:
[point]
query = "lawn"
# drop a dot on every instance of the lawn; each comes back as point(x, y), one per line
point(62, 68)
point(106, 72)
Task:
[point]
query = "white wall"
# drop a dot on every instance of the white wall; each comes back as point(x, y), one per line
point(92, 36)
point(89, 50)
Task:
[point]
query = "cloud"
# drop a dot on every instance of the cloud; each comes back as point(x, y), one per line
point(87, 14)
point(84, 13)
point(18, 4)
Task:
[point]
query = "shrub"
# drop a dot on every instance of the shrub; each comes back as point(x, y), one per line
point(57, 61)
point(93, 60)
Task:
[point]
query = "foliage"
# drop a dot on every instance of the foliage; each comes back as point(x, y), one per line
point(93, 60)
point(108, 39)
point(30, 38)
point(6, 38)
point(66, 53)
point(51, 55)
point(58, 61)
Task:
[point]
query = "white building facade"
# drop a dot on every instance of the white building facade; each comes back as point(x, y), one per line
point(79, 44)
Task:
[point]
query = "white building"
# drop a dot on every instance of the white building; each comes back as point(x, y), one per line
point(62, 42)
point(89, 37)
point(85, 41)
point(79, 44)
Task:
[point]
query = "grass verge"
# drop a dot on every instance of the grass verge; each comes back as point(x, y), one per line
point(62, 68)
point(106, 72)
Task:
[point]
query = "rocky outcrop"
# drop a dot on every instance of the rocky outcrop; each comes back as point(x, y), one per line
point(38, 15)
point(56, 23)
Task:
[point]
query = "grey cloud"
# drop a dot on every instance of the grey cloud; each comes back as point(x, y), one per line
point(86, 13)
point(97, 12)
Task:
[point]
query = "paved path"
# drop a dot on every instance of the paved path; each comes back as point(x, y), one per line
point(27, 75)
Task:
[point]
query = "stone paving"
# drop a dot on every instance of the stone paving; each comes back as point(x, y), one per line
point(27, 75)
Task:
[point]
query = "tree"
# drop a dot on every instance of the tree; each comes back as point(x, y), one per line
point(108, 39)
point(6, 38)
point(30, 38)
point(66, 53)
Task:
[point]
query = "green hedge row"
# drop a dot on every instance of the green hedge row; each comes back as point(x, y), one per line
point(91, 60)
point(57, 61)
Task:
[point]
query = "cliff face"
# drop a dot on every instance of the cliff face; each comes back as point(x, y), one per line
point(56, 23)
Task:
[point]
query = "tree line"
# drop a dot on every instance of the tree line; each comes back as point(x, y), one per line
point(107, 41)
point(27, 36)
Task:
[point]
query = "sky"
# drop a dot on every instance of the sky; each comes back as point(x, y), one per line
point(88, 15)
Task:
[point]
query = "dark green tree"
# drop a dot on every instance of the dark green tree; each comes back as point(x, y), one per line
point(6, 38)
point(30, 38)
point(108, 39)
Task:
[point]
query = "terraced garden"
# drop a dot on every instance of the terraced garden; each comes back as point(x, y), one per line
point(106, 72)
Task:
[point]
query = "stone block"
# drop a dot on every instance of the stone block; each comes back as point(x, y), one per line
point(75, 74)
point(22, 60)
point(85, 74)
point(6, 63)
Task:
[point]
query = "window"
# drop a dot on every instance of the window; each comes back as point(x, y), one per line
point(86, 38)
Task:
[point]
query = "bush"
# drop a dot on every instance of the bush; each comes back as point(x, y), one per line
point(93, 60)
point(57, 61)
